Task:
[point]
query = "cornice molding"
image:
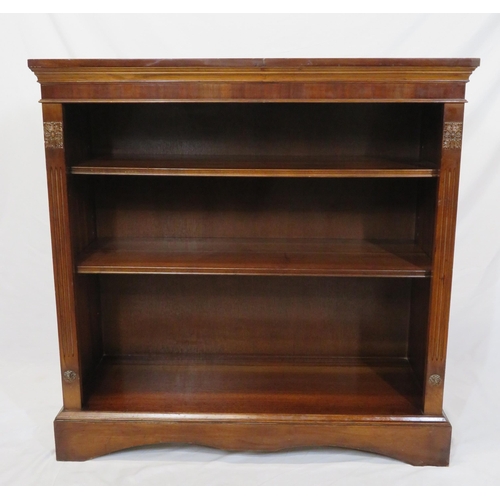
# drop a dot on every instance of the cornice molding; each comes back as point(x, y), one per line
point(257, 80)
point(363, 73)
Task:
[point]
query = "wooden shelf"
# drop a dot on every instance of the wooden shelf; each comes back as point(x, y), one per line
point(241, 166)
point(255, 385)
point(321, 257)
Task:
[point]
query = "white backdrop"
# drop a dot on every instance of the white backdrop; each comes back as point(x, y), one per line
point(30, 387)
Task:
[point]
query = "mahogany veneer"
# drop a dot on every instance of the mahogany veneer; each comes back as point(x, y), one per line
point(253, 254)
point(238, 166)
point(247, 256)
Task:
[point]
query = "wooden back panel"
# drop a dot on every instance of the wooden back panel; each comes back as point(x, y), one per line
point(133, 207)
point(254, 315)
point(397, 130)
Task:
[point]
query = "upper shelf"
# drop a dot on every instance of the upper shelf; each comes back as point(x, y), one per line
point(254, 167)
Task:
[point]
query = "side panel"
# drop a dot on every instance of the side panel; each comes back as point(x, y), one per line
point(444, 241)
point(62, 254)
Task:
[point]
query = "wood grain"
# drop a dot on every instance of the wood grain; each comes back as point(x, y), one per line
point(249, 133)
point(256, 208)
point(216, 385)
point(294, 63)
point(254, 80)
point(290, 257)
point(63, 263)
point(255, 315)
point(418, 441)
point(254, 167)
point(444, 242)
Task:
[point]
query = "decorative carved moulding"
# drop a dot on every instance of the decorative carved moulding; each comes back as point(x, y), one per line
point(53, 135)
point(452, 135)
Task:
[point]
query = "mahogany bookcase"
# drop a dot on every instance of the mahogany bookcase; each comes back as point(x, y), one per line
point(253, 254)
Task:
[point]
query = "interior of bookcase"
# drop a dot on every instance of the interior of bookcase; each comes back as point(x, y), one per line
point(316, 139)
point(253, 257)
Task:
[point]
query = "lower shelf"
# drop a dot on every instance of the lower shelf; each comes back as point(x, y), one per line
point(264, 404)
point(239, 384)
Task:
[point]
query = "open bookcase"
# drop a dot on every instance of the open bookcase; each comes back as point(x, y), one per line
point(253, 255)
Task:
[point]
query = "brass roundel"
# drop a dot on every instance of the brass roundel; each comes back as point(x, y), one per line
point(69, 376)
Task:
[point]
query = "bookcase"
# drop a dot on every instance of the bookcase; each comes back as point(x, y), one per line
point(253, 254)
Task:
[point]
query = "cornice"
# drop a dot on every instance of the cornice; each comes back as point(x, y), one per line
point(81, 71)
